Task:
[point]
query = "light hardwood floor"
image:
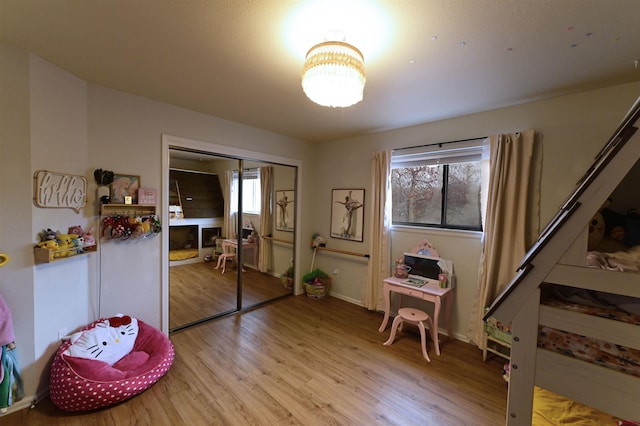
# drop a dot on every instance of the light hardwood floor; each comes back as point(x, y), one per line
point(299, 361)
point(198, 291)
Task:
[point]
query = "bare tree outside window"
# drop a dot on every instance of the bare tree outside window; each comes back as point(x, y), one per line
point(415, 193)
point(442, 195)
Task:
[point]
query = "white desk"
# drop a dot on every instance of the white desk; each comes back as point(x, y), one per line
point(430, 292)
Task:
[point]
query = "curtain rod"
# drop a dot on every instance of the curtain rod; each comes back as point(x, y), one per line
point(439, 144)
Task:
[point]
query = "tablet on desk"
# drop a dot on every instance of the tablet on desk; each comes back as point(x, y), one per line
point(415, 281)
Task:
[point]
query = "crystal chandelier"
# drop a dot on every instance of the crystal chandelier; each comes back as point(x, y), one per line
point(333, 74)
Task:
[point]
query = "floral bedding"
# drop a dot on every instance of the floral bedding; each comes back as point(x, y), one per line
point(606, 305)
point(617, 357)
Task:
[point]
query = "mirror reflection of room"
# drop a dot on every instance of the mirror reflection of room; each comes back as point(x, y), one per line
point(223, 221)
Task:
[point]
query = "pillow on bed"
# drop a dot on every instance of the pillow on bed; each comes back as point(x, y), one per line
point(109, 341)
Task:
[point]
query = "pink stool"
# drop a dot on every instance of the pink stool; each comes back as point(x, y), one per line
point(413, 316)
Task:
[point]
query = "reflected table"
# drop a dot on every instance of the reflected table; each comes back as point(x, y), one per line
point(231, 246)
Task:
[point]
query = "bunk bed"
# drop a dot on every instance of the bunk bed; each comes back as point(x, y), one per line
point(561, 328)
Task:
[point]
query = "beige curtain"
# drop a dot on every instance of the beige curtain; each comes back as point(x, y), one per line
point(379, 249)
point(229, 227)
point(512, 217)
point(266, 217)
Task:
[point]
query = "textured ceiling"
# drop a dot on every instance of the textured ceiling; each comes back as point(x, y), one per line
point(425, 60)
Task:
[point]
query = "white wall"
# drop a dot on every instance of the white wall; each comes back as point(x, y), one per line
point(17, 277)
point(574, 129)
point(64, 291)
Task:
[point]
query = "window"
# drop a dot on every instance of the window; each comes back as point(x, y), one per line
point(438, 185)
point(250, 192)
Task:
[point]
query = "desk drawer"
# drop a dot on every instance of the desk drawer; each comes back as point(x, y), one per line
point(408, 291)
point(416, 293)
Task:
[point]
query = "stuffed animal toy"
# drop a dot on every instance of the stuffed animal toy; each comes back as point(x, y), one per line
point(596, 231)
point(614, 222)
point(318, 241)
point(146, 226)
point(48, 234)
point(76, 230)
point(65, 243)
point(506, 371)
point(137, 229)
point(606, 232)
point(625, 228)
point(109, 341)
point(89, 239)
point(51, 245)
point(78, 243)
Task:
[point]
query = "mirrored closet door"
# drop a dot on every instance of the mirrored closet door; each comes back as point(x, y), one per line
point(230, 235)
point(268, 259)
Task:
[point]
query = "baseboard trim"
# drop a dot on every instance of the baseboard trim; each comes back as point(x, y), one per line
point(455, 336)
point(28, 401)
point(347, 299)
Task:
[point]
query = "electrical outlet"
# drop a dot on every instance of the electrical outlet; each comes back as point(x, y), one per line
point(63, 332)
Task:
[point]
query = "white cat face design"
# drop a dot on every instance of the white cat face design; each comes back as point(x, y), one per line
point(104, 342)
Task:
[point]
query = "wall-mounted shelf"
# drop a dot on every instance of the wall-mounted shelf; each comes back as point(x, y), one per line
point(128, 221)
point(127, 209)
point(43, 255)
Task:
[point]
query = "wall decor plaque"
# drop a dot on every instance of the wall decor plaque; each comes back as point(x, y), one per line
point(59, 190)
point(147, 196)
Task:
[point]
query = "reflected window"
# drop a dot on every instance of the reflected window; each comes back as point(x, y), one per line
point(250, 191)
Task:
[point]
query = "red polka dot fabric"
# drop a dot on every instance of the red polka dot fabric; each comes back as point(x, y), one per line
point(79, 384)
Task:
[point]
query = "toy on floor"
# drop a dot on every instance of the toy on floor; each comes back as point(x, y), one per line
point(506, 370)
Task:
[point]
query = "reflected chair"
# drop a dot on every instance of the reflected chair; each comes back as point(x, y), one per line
point(222, 260)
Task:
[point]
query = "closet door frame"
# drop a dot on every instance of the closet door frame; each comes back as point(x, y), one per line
point(169, 142)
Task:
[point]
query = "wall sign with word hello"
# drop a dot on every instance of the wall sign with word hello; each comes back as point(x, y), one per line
point(59, 190)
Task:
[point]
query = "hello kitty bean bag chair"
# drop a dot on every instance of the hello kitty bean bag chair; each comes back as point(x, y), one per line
point(107, 362)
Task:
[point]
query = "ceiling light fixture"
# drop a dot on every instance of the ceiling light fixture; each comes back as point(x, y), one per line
point(333, 73)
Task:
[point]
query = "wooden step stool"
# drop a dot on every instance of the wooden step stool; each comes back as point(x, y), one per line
point(417, 317)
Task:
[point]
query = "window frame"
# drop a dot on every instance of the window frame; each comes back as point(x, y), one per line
point(444, 154)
